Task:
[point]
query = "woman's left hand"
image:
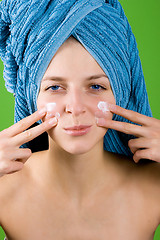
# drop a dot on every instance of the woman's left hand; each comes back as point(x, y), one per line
point(147, 143)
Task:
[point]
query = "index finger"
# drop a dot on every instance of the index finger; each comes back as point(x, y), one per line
point(131, 115)
point(34, 132)
point(25, 123)
point(124, 127)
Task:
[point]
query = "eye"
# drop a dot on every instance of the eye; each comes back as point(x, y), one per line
point(54, 88)
point(97, 87)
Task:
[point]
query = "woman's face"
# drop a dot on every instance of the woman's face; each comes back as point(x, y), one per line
point(68, 87)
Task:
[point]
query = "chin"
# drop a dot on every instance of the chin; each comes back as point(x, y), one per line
point(78, 145)
point(77, 149)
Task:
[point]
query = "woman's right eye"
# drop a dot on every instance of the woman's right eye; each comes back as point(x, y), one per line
point(54, 87)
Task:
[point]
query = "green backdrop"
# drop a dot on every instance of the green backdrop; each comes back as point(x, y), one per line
point(144, 17)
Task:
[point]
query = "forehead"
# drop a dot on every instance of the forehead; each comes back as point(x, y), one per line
point(73, 60)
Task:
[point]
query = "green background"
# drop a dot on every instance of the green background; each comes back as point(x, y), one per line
point(144, 17)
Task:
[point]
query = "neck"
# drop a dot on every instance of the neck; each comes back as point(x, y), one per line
point(78, 176)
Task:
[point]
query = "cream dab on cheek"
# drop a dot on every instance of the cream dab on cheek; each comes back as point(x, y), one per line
point(103, 106)
point(51, 109)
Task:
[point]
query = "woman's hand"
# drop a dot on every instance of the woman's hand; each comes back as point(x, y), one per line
point(147, 143)
point(12, 158)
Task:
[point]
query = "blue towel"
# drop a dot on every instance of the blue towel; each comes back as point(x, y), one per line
point(32, 31)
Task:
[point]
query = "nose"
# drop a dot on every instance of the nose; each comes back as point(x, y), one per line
point(75, 103)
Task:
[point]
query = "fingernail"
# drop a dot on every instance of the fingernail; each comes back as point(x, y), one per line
point(57, 115)
point(100, 121)
point(53, 121)
point(96, 120)
point(42, 111)
point(49, 115)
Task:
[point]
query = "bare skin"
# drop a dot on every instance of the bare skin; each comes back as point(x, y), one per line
point(127, 203)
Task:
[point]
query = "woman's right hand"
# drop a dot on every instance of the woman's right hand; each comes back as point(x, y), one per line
point(12, 157)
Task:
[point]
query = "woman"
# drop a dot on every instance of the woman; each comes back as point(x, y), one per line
point(77, 188)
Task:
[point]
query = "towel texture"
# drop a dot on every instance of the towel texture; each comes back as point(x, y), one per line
point(32, 31)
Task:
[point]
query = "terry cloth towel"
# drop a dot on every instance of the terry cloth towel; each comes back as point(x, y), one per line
point(32, 31)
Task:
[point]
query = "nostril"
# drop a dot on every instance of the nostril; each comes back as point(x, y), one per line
point(69, 109)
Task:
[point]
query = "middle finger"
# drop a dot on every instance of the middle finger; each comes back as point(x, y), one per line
point(25, 123)
point(124, 127)
point(133, 116)
point(34, 132)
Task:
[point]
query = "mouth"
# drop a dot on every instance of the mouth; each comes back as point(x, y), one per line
point(78, 130)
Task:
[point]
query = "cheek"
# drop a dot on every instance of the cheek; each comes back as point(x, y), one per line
point(99, 108)
point(53, 107)
point(41, 100)
point(57, 106)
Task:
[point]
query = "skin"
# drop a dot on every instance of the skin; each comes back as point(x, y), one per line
point(76, 190)
point(146, 145)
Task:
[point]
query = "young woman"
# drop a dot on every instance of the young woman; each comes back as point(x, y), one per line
point(77, 189)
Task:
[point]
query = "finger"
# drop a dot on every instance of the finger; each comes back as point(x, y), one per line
point(100, 114)
point(15, 166)
point(124, 127)
point(135, 144)
point(145, 154)
point(132, 115)
point(34, 132)
point(25, 123)
point(11, 166)
point(22, 154)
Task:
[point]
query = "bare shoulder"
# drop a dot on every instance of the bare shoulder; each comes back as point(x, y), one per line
point(145, 171)
point(10, 186)
point(145, 178)
point(144, 185)
point(149, 174)
point(13, 187)
point(150, 178)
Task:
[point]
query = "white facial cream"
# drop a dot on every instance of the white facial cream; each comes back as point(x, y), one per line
point(103, 106)
point(50, 106)
point(51, 110)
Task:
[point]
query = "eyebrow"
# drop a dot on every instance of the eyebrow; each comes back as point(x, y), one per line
point(54, 78)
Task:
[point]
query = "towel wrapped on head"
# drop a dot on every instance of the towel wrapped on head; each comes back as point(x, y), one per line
point(32, 31)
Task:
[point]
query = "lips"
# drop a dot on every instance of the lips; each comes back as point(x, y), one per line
point(78, 130)
point(77, 127)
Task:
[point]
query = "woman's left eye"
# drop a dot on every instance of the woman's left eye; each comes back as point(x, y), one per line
point(54, 87)
point(97, 87)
